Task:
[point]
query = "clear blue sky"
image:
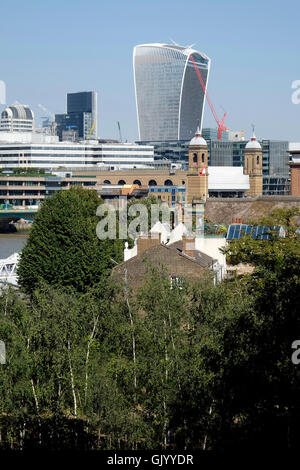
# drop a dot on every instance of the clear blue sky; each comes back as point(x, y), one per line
point(49, 48)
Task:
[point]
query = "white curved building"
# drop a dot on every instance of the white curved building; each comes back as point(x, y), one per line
point(169, 95)
point(17, 118)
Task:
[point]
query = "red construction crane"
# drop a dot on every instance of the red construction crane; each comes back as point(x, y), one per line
point(220, 124)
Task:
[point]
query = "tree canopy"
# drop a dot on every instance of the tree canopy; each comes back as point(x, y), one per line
point(63, 248)
point(191, 366)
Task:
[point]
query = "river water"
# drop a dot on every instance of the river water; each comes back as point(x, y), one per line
point(11, 243)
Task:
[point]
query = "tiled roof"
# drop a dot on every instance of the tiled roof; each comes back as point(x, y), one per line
point(201, 258)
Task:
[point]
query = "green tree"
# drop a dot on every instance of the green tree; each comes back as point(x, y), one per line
point(63, 248)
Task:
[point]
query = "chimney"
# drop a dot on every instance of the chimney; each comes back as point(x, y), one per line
point(144, 242)
point(188, 245)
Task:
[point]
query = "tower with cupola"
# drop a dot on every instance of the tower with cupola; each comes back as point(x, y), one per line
point(197, 176)
point(253, 166)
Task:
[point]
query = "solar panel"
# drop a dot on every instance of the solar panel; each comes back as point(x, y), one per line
point(243, 229)
point(257, 232)
point(236, 233)
point(230, 232)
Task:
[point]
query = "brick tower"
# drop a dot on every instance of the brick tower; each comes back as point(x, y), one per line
point(197, 176)
point(253, 166)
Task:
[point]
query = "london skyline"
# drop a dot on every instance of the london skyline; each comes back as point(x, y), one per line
point(69, 47)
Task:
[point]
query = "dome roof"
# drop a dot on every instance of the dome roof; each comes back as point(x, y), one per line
point(253, 143)
point(17, 111)
point(198, 139)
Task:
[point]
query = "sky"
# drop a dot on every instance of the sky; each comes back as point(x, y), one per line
point(49, 48)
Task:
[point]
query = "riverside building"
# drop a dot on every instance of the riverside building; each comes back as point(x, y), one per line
point(46, 152)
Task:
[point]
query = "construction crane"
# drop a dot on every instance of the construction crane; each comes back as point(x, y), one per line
point(92, 129)
point(119, 127)
point(220, 124)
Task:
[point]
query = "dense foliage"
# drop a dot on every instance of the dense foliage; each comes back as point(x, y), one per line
point(63, 248)
point(192, 366)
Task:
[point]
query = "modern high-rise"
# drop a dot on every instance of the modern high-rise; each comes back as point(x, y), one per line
point(169, 96)
point(81, 115)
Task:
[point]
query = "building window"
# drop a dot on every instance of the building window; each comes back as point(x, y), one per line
point(168, 183)
point(137, 182)
point(152, 183)
point(257, 160)
point(203, 156)
point(106, 182)
point(195, 159)
point(122, 182)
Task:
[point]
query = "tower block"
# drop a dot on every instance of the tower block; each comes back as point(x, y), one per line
point(253, 167)
point(197, 176)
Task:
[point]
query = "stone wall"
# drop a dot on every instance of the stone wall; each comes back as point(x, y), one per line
point(248, 209)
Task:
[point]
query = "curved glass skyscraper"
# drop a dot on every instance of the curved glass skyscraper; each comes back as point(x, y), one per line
point(169, 96)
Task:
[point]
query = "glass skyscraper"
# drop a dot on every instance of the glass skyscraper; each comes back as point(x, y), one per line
point(81, 115)
point(169, 95)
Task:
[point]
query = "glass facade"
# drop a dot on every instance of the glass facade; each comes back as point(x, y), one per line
point(220, 153)
point(169, 96)
point(210, 133)
point(275, 157)
point(176, 151)
point(276, 179)
point(81, 115)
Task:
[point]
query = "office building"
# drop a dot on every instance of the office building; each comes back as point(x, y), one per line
point(34, 150)
point(169, 96)
point(17, 118)
point(211, 133)
point(81, 115)
point(276, 179)
point(21, 191)
point(294, 150)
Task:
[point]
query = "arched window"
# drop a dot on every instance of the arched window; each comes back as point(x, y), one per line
point(257, 160)
point(202, 157)
point(152, 183)
point(122, 182)
point(106, 182)
point(168, 183)
point(195, 159)
point(137, 182)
